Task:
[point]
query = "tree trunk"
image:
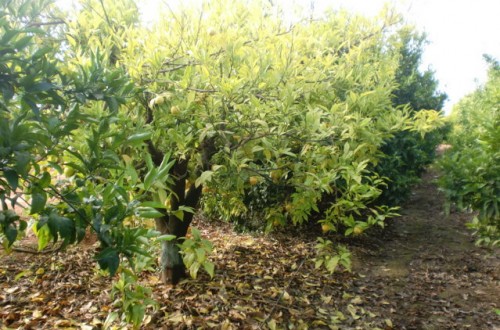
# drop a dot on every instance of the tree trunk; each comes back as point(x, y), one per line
point(172, 266)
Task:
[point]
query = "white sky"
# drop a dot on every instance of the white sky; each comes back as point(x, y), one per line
point(459, 32)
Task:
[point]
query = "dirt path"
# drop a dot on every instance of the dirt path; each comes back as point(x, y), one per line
point(427, 273)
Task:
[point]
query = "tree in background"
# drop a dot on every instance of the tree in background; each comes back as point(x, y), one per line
point(415, 88)
point(471, 167)
point(407, 153)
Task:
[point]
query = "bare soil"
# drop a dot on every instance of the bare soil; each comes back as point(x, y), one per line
point(427, 273)
point(422, 272)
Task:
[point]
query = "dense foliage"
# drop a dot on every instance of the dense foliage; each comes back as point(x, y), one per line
point(107, 123)
point(471, 169)
point(408, 153)
point(66, 185)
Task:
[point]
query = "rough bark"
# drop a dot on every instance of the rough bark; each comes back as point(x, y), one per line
point(172, 266)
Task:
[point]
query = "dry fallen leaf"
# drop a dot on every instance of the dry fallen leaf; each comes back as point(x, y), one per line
point(326, 299)
point(286, 296)
point(12, 289)
point(356, 300)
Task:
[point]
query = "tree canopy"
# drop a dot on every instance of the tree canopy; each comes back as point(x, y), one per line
point(472, 165)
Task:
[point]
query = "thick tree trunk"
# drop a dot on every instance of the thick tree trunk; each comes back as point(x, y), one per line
point(172, 265)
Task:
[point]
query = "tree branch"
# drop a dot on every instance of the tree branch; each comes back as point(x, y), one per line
point(36, 24)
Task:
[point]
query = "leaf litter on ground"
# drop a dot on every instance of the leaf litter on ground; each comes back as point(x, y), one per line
point(423, 272)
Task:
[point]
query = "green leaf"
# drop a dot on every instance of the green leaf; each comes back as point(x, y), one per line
point(331, 264)
point(150, 178)
point(179, 214)
point(43, 235)
point(62, 226)
point(8, 35)
point(22, 161)
point(200, 255)
point(149, 212)
point(109, 260)
point(23, 225)
point(12, 178)
point(209, 268)
point(27, 272)
point(193, 270)
point(41, 87)
point(38, 201)
point(137, 314)
point(139, 137)
point(11, 234)
point(112, 103)
point(187, 209)
point(153, 204)
point(23, 42)
point(166, 237)
point(45, 180)
point(204, 177)
point(41, 52)
point(165, 167)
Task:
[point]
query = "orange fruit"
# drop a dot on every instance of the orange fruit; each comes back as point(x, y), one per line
point(253, 180)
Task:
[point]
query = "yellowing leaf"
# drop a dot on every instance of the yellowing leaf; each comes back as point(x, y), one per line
point(272, 324)
point(326, 299)
point(176, 318)
point(318, 323)
point(356, 300)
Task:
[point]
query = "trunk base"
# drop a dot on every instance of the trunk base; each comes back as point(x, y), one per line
point(173, 269)
point(173, 275)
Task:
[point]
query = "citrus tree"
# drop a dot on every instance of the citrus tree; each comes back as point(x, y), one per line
point(59, 170)
point(40, 110)
point(223, 107)
point(471, 167)
point(234, 105)
point(407, 153)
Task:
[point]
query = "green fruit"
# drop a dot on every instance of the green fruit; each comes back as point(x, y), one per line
point(275, 175)
point(211, 32)
point(357, 230)
point(69, 172)
point(175, 110)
